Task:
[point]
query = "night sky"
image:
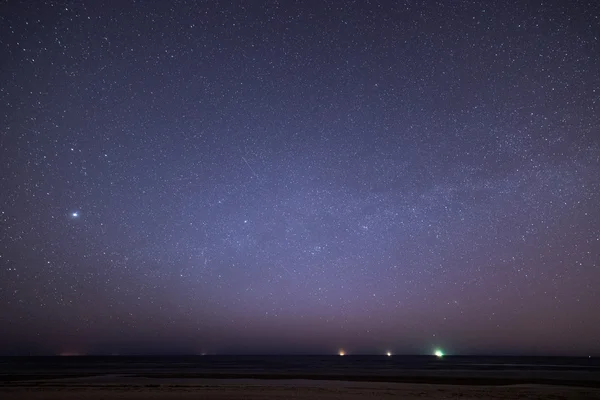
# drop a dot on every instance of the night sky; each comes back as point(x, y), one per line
point(299, 177)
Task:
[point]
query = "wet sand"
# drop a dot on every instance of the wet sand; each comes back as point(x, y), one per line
point(124, 387)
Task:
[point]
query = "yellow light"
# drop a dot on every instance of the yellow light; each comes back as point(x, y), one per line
point(342, 353)
point(439, 353)
point(389, 353)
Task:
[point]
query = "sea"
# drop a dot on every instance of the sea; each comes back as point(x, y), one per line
point(584, 371)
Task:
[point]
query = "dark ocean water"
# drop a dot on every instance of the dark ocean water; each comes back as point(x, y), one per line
point(231, 363)
point(449, 369)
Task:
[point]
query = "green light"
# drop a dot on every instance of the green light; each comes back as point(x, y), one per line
point(438, 353)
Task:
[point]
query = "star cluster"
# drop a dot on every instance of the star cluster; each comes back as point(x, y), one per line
point(207, 176)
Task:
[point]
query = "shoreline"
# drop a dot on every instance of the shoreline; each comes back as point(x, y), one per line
point(49, 380)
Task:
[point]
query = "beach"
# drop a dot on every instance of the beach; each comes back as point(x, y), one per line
point(278, 389)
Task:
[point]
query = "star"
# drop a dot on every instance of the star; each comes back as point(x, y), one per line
point(310, 192)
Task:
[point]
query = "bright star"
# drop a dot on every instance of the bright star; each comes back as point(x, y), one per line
point(74, 214)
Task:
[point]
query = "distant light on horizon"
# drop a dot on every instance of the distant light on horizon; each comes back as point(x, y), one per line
point(389, 353)
point(70, 354)
point(342, 352)
point(439, 353)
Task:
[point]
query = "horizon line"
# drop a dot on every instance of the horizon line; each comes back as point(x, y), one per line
point(295, 355)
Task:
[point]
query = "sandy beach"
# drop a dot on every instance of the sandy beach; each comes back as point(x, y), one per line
point(142, 388)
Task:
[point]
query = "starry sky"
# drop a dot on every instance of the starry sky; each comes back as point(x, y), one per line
point(299, 177)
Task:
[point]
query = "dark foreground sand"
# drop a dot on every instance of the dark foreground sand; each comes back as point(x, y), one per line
point(143, 388)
